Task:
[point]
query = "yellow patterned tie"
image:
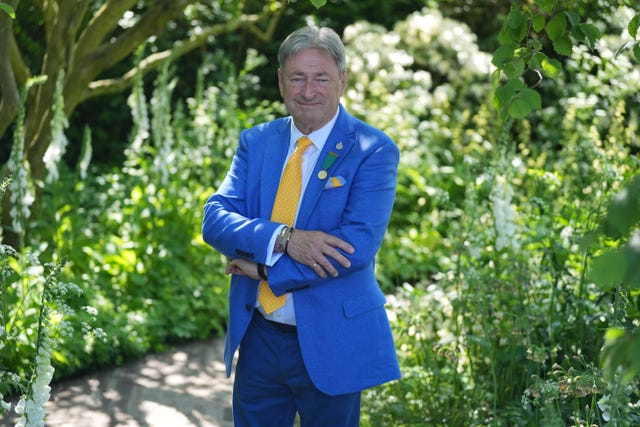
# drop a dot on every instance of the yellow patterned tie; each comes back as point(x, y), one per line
point(284, 211)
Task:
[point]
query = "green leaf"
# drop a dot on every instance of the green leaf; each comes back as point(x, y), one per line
point(557, 27)
point(633, 26)
point(516, 19)
point(591, 34)
point(632, 280)
point(551, 67)
point(532, 98)
point(636, 51)
point(563, 46)
point(8, 9)
point(536, 60)
point(514, 69)
point(318, 3)
point(503, 96)
point(538, 23)
point(613, 334)
point(609, 269)
point(624, 210)
point(546, 6)
point(519, 108)
point(574, 18)
point(503, 54)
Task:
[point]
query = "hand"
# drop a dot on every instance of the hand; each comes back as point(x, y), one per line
point(314, 248)
point(242, 267)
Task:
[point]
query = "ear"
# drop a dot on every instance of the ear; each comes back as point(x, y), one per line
point(343, 83)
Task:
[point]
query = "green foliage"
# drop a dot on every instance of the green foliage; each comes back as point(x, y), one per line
point(522, 48)
point(36, 308)
point(132, 235)
point(502, 324)
point(498, 304)
point(8, 10)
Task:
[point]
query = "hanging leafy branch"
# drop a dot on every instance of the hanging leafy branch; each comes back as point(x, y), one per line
point(524, 35)
point(527, 31)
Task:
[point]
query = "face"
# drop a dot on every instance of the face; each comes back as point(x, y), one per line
point(311, 87)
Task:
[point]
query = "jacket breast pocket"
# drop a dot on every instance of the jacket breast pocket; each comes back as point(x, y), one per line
point(355, 306)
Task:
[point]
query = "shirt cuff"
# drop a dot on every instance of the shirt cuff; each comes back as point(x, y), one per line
point(271, 256)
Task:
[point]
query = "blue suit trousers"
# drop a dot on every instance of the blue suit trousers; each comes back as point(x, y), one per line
point(271, 384)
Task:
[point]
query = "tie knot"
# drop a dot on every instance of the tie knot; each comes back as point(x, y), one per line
point(303, 143)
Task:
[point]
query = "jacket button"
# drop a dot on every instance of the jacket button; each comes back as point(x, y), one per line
point(248, 307)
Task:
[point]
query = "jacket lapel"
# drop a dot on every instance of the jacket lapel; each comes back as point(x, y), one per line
point(335, 151)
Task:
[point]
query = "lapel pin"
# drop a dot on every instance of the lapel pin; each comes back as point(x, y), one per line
point(339, 146)
point(322, 174)
point(328, 161)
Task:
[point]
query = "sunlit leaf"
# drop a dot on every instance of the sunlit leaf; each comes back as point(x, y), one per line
point(613, 334)
point(8, 9)
point(551, 67)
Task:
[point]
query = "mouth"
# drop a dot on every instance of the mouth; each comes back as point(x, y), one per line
point(305, 103)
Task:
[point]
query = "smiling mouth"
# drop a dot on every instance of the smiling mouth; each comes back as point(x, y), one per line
point(308, 103)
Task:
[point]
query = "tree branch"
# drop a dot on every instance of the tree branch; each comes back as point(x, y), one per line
point(154, 61)
point(267, 35)
point(95, 60)
point(151, 23)
point(20, 69)
point(103, 22)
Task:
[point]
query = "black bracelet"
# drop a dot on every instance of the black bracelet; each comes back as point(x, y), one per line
point(261, 272)
point(286, 244)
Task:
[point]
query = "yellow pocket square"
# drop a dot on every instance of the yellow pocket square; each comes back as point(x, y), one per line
point(334, 182)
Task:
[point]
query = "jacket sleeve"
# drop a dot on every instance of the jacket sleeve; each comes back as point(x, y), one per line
point(230, 223)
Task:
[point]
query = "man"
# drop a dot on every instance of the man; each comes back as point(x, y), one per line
point(304, 305)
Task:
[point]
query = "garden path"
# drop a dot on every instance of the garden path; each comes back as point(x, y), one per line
point(183, 387)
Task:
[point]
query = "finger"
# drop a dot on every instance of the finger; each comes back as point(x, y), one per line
point(319, 270)
point(340, 244)
point(338, 257)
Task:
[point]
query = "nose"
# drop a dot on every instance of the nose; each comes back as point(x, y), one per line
point(308, 89)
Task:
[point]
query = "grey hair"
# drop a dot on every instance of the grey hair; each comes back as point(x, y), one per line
point(324, 39)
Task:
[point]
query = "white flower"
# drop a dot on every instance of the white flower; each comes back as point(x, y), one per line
point(604, 406)
point(503, 213)
point(91, 310)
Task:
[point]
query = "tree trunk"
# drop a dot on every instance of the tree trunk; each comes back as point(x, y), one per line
point(84, 52)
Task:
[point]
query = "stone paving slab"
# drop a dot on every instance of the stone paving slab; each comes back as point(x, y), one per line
point(183, 387)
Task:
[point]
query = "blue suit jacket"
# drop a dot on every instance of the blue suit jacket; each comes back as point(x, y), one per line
point(343, 330)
